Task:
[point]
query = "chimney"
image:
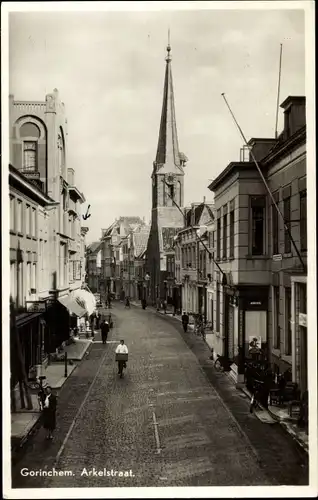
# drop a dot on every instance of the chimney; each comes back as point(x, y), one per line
point(203, 199)
point(294, 114)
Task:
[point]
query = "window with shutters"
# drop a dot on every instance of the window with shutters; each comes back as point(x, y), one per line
point(29, 156)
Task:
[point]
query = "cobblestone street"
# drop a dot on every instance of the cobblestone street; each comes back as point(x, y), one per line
point(171, 421)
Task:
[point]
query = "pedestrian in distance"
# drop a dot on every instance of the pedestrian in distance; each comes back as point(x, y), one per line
point(185, 321)
point(144, 303)
point(49, 412)
point(104, 327)
point(121, 349)
point(127, 303)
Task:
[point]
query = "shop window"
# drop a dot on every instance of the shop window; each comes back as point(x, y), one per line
point(232, 234)
point(287, 213)
point(288, 331)
point(303, 220)
point(29, 156)
point(258, 205)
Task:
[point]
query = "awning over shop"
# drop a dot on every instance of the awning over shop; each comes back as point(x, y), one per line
point(79, 302)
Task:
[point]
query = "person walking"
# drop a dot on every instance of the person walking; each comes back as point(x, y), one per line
point(104, 327)
point(185, 321)
point(121, 349)
point(49, 412)
point(127, 304)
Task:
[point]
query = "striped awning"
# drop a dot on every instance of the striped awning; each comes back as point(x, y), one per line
point(79, 302)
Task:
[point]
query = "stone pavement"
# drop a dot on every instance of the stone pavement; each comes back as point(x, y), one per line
point(273, 414)
point(171, 421)
point(24, 421)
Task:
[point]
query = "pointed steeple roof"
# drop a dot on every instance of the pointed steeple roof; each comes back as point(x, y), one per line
point(168, 149)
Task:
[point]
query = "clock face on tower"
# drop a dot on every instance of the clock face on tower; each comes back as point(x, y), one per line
point(170, 178)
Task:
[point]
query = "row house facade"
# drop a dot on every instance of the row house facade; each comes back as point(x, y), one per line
point(264, 295)
point(94, 266)
point(192, 261)
point(38, 155)
point(133, 247)
point(112, 256)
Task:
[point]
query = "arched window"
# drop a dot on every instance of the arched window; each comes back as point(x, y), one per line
point(30, 134)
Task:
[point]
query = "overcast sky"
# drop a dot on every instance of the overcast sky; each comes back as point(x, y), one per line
point(109, 70)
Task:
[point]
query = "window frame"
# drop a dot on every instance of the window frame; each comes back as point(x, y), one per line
point(224, 249)
point(254, 206)
point(232, 225)
point(218, 239)
point(287, 240)
point(275, 225)
point(28, 149)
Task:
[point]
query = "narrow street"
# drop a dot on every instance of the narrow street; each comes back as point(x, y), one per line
point(171, 421)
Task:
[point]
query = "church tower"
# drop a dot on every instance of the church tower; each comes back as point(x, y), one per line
point(167, 190)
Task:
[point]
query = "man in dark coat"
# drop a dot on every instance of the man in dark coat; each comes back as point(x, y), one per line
point(49, 412)
point(104, 327)
point(185, 321)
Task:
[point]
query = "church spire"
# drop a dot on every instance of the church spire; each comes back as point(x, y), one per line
point(168, 148)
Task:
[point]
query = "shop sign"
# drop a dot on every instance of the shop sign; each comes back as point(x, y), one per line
point(302, 320)
point(36, 306)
